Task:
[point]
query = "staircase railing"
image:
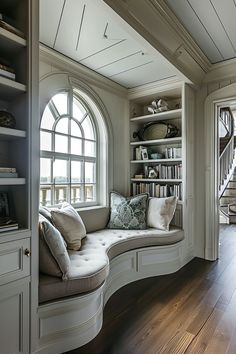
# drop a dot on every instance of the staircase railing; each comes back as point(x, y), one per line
point(227, 155)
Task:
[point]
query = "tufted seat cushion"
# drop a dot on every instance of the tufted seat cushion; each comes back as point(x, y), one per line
point(90, 265)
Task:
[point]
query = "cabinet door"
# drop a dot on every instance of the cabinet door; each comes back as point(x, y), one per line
point(14, 260)
point(14, 314)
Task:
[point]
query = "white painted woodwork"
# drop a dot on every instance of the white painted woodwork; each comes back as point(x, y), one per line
point(14, 315)
point(11, 134)
point(218, 98)
point(12, 181)
point(10, 43)
point(14, 264)
point(157, 141)
point(70, 323)
point(211, 24)
point(156, 160)
point(10, 88)
point(174, 113)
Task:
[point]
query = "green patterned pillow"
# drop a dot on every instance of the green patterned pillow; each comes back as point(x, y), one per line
point(128, 213)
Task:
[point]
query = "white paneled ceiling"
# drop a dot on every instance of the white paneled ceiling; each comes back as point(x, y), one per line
point(212, 23)
point(85, 31)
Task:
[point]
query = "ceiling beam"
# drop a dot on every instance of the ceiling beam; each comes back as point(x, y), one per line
point(156, 23)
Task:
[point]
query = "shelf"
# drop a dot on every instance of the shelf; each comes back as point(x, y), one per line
point(175, 113)
point(11, 181)
point(156, 160)
point(156, 180)
point(11, 134)
point(158, 141)
point(10, 88)
point(10, 43)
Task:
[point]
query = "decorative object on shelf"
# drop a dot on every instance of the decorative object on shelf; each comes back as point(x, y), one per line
point(144, 153)
point(7, 119)
point(156, 155)
point(152, 173)
point(232, 208)
point(158, 105)
point(156, 130)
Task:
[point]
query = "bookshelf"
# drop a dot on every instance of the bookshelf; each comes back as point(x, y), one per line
point(18, 96)
point(171, 157)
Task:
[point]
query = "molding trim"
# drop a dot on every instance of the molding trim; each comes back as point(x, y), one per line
point(154, 87)
point(225, 95)
point(221, 71)
point(62, 62)
point(188, 42)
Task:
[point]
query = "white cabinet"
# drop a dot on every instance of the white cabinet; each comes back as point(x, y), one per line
point(14, 317)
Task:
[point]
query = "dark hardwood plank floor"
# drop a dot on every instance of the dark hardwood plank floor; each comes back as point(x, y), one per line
point(191, 311)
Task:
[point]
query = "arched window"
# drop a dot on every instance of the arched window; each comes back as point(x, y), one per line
point(69, 151)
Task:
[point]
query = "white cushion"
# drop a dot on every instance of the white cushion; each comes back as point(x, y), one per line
point(160, 212)
point(70, 225)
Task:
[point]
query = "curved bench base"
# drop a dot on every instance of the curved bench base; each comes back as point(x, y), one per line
point(70, 323)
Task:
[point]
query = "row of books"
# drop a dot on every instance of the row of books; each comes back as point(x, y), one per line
point(169, 171)
point(173, 152)
point(8, 172)
point(157, 190)
point(161, 171)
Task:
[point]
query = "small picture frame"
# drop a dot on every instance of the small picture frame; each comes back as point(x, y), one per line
point(144, 154)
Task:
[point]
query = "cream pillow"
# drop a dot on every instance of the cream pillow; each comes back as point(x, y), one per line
point(53, 256)
point(161, 212)
point(70, 225)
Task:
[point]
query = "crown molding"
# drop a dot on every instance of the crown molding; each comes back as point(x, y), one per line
point(79, 71)
point(152, 88)
point(155, 22)
point(221, 71)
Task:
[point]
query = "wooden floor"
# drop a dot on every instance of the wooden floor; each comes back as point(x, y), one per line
point(191, 311)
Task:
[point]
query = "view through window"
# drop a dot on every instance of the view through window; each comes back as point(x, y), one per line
point(68, 152)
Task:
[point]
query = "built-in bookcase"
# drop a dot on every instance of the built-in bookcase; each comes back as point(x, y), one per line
point(14, 97)
point(168, 157)
point(19, 96)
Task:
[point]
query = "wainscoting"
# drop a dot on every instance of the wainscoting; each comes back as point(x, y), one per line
point(191, 311)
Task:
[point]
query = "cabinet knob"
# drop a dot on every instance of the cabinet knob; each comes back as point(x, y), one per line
point(27, 252)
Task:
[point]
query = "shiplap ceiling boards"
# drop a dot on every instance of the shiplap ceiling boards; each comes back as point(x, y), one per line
point(211, 23)
point(84, 31)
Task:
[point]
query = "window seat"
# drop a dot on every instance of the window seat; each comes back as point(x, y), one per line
point(90, 265)
point(70, 312)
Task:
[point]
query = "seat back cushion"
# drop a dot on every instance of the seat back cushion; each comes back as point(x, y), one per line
point(71, 226)
point(54, 258)
point(160, 212)
point(95, 218)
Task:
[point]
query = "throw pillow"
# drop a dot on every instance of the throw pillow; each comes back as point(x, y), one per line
point(54, 258)
point(70, 225)
point(128, 213)
point(45, 212)
point(161, 212)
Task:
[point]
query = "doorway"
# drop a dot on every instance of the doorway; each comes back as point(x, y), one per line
point(215, 101)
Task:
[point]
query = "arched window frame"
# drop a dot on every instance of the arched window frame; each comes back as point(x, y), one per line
point(98, 198)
